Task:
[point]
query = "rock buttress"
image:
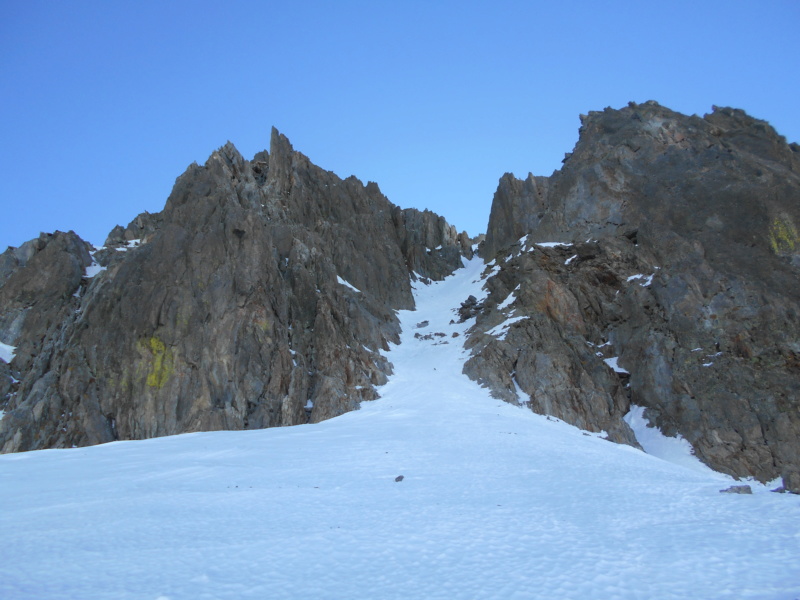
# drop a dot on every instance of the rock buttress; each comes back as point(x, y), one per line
point(685, 266)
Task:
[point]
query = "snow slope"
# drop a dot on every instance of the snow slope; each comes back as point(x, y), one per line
point(495, 502)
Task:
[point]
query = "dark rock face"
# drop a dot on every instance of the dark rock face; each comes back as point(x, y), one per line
point(37, 282)
point(706, 212)
point(540, 335)
point(265, 290)
point(260, 296)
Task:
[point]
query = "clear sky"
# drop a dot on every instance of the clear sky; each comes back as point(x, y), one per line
point(103, 104)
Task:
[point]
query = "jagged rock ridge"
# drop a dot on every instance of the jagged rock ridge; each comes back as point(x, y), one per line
point(263, 292)
point(682, 263)
point(260, 296)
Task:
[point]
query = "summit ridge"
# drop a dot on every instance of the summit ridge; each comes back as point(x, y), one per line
point(656, 271)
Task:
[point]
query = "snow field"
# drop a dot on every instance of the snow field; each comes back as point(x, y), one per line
point(496, 502)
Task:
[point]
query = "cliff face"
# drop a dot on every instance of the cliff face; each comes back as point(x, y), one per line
point(682, 263)
point(260, 296)
point(264, 292)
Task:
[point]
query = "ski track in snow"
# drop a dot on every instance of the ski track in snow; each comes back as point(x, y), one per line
point(496, 502)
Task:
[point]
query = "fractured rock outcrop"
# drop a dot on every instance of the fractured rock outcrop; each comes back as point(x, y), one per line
point(262, 295)
point(684, 265)
point(660, 267)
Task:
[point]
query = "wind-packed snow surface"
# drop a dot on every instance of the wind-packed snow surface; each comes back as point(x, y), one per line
point(495, 502)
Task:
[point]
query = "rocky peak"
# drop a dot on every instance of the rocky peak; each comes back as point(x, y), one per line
point(625, 163)
point(281, 155)
point(261, 295)
point(264, 292)
point(681, 256)
point(36, 289)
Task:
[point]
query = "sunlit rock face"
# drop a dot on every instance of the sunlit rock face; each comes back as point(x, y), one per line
point(266, 291)
point(262, 295)
point(683, 264)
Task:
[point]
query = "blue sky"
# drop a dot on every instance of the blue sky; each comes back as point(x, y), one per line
point(104, 104)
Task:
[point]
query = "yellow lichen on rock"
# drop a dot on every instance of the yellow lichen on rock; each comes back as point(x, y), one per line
point(783, 236)
point(161, 366)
